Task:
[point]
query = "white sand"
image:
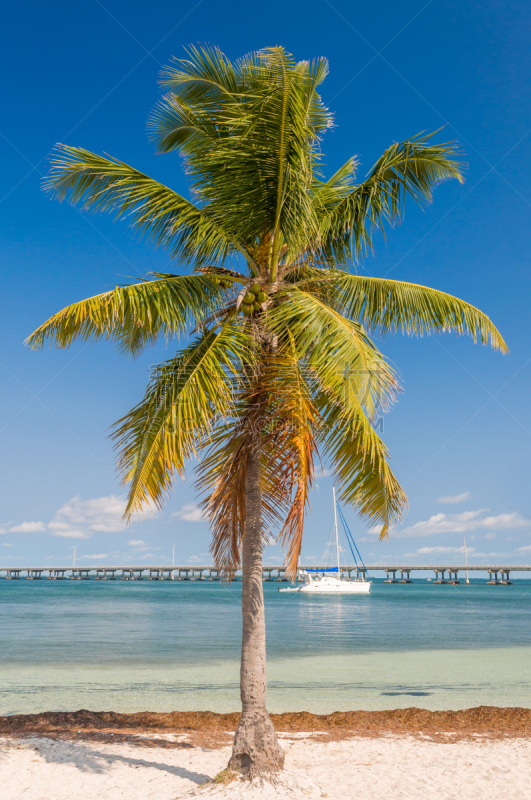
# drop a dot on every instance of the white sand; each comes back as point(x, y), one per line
point(365, 769)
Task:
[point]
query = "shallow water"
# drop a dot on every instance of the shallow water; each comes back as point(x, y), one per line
point(175, 646)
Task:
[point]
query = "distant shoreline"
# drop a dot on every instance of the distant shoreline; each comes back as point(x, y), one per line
point(210, 729)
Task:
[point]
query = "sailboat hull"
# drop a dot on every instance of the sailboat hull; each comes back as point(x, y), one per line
point(328, 585)
point(337, 587)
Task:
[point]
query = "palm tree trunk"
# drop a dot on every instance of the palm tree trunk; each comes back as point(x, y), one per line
point(256, 750)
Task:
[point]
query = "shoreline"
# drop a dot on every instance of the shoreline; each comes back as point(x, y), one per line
point(356, 755)
point(213, 730)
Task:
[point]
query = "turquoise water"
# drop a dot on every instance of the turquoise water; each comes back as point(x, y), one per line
point(163, 646)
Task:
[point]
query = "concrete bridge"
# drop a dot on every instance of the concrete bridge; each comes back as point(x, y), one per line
point(497, 574)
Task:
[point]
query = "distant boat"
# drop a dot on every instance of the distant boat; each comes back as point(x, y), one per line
point(322, 582)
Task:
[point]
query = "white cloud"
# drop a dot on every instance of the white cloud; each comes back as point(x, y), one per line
point(525, 549)
point(79, 519)
point(66, 532)
point(190, 513)
point(136, 542)
point(101, 515)
point(323, 473)
point(490, 536)
point(7, 544)
point(457, 498)
point(440, 549)
point(28, 527)
point(96, 555)
point(466, 521)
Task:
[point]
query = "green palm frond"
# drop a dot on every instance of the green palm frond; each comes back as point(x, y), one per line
point(166, 218)
point(313, 73)
point(413, 168)
point(186, 398)
point(390, 306)
point(173, 124)
point(336, 349)
point(202, 102)
point(207, 78)
point(251, 160)
point(134, 316)
point(361, 469)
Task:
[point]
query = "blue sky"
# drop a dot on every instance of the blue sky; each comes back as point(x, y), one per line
point(86, 74)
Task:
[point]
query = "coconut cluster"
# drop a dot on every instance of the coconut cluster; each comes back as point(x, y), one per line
point(253, 299)
point(222, 283)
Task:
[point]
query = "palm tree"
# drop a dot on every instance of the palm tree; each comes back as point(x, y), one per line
point(278, 366)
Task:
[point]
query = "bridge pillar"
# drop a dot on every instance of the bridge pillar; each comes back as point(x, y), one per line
point(493, 574)
point(405, 576)
point(454, 581)
point(505, 577)
point(441, 572)
point(388, 579)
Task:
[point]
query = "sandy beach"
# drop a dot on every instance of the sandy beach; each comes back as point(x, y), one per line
point(361, 768)
point(367, 756)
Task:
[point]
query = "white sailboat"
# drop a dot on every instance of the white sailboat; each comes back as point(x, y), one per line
point(324, 583)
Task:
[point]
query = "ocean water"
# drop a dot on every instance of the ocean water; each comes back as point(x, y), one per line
point(159, 646)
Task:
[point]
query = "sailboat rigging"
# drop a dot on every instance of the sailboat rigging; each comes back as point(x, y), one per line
point(321, 581)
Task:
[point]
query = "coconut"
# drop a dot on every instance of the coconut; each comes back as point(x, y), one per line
point(261, 297)
point(247, 309)
point(255, 288)
point(249, 298)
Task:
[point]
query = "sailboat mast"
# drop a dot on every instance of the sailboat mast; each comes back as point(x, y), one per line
point(337, 535)
point(466, 560)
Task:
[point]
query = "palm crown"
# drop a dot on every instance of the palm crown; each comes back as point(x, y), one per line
point(279, 352)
